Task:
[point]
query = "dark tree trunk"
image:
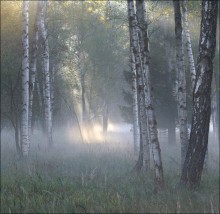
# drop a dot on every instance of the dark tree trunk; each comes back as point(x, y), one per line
point(193, 165)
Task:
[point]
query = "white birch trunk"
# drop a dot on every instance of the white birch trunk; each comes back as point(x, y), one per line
point(25, 144)
point(188, 43)
point(33, 67)
point(136, 130)
point(142, 32)
point(135, 48)
point(48, 114)
point(152, 123)
point(182, 112)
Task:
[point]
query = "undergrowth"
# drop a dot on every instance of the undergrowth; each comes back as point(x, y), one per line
point(98, 178)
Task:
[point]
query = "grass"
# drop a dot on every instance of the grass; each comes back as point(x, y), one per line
point(97, 178)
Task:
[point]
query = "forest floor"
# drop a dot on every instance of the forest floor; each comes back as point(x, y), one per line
point(98, 178)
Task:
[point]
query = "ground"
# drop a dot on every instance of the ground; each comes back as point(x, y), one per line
point(98, 178)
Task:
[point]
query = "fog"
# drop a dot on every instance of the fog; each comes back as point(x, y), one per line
point(119, 136)
point(98, 161)
point(78, 79)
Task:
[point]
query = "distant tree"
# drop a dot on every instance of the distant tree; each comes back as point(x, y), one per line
point(193, 165)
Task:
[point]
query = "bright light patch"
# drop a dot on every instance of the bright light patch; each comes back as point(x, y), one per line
point(94, 133)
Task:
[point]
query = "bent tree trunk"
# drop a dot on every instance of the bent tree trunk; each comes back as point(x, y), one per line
point(182, 112)
point(135, 49)
point(48, 114)
point(25, 144)
point(193, 165)
point(152, 123)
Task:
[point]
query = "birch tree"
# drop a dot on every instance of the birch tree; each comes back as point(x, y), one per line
point(152, 123)
point(136, 131)
point(44, 35)
point(181, 99)
point(141, 24)
point(33, 68)
point(135, 49)
point(25, 144)
point(198, 143)
point(188, 42)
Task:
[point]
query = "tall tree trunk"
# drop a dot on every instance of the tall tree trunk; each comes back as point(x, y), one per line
point(48, 114)
point(136, 131)
point(188, 42)
point(152, 123)
point(193, 165)
point(33, 67)
point(143, 37)
point(182, 112)
point(25, 144)
point(135, 49)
